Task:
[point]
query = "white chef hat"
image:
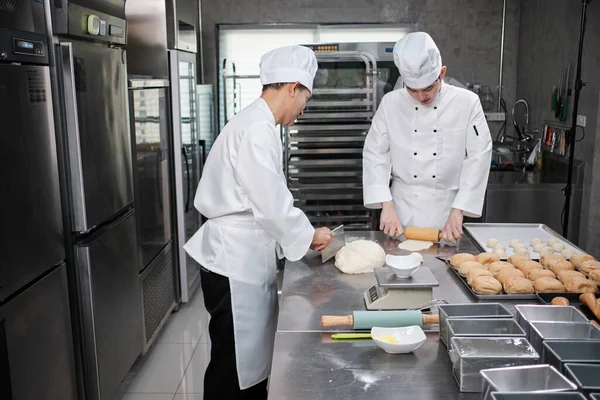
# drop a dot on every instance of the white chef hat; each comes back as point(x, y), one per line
point(289, 64)
point(418, 60)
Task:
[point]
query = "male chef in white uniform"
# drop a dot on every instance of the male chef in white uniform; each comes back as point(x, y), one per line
point(251, 214)
point(433, 140)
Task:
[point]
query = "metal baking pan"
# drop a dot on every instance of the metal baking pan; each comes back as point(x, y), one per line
point(538, 396)
point(504, 233)
point(483, 327)
point(546, 298)
point(526, 314)
point(530, 378)
point(469, 310)
point(595, 396)
point(542, 331)
point(502, 296)
point(559, 352)
point(471, 355)
point(585, 376)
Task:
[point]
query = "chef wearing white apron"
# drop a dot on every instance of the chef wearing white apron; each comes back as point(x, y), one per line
point(432, 139)
point(251, 213)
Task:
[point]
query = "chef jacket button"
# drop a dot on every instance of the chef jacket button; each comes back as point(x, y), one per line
point(434, 177)
point(417, 108)
point(435, 108)
point(415, 130)
point(434, 154)
point(435, 130)
point(415, 177)
point(415, 154)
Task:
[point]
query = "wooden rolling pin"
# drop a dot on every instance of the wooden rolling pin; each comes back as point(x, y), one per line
point(428, 234)
point(389, 319)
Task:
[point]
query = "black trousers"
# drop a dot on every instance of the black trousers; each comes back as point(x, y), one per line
point(221, 379)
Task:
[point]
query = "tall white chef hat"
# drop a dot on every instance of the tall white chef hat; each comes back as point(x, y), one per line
point(289, 64)
point(418, 60)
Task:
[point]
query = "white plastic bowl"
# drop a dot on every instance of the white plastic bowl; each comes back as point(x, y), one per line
point(409, 339)
point(403, 266)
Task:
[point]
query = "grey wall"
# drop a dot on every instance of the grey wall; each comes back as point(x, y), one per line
point(545, 44)
point(468, 32)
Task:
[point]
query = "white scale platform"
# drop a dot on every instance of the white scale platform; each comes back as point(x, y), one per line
point(393, 293)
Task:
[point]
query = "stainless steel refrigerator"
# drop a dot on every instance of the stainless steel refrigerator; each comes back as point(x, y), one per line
point(36, 344)
point(90, 38)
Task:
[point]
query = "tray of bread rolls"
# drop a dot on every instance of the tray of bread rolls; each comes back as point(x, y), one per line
point(520, 278)
point(588, 304)
point(532, 240)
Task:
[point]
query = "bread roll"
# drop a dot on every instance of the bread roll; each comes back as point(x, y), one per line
point(561, 265)
point(560, 301)
point(467, 266)
point(518, 286)
point(514, 259)
point(566, 275)
point(581, 285)
point(475, 272)
point(486, 285)
point(506, 273)
point(496, 266)
point(592, 303)
point(578, 259)
point(588, 266)
point(536, 273)
point(459, 258)
point(548, 285)
point(527, 265)
point(595, 276)
point(546, 259)
point(487, 258)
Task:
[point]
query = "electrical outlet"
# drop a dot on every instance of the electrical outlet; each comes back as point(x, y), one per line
point(495, 116)
point(581, 120)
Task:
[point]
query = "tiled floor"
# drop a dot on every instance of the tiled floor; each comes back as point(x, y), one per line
point(173, 368)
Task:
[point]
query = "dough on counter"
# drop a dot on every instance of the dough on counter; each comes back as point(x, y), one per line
point(486, 285)
point(578, 259)
point(588, 266)
point(492, 243)
point(548, 285)
point(558, 247)
point(415, 245)
point(419, 256)
point(360, 257)
point(475, 272)
point(506, 273)
point(535, 241)
point(534, 274)
point(497, 266)
point(460, 258)
point(565, 275)
point(579, 285)
point(466, 266)
point(552, 241)
point(567, 253)
point(487, 258)
point(519, 286)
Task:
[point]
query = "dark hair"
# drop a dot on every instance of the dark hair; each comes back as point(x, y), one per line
point(278, 86)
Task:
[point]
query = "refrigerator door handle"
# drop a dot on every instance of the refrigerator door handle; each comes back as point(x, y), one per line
point(69, 88)
point(5, 382)
point(159, 157)
point(187, 172)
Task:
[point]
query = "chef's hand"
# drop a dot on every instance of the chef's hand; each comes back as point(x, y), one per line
point(389, 222)
point(321, 238)
point(453, 228)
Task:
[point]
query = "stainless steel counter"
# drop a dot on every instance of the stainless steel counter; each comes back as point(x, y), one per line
point(307, 364)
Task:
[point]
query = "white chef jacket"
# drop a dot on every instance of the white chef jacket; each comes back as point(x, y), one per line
point(438, 156)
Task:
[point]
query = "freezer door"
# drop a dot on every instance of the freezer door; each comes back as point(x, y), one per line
point(150, 131)
point(36, 346)
point(97, 124)
point(111, 306)
point(30, 210)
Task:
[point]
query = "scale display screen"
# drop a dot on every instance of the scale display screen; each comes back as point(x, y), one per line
point(373, 293)
point(28, 47)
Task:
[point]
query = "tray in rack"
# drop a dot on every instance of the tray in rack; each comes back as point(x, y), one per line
point(546, 298)
point(504, 233)
point(501, 296)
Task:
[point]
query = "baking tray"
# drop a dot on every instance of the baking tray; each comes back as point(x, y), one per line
point(546, 298)
point(501, 296)
point(504, 233)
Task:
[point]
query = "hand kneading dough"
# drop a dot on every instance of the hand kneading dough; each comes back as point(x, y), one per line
point(466, 266)
point(534, 274)
point(486, 285)
point(487, 258)
point(460, 258)
point(360, 257)
point(506, 273)
point(518, 286)
point(548, 285)
point(475, 272)
point(579, 285)
point(578, 259)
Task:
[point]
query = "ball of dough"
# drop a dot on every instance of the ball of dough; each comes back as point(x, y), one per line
point(459, 258)
point(467, 266)
point(486, 285)
point(519, 246)
point(546, 250)
point(535, 241)
point(360, 257)
point(501, 253)
point(514, 242)
point(547, 284)
point(487, 258)
point(552, 241)
point(500, 246)
point(538, 247)
point(567, 253)
point(491, 243)
point(558, 247)
point(419, 256)
point(522, 251)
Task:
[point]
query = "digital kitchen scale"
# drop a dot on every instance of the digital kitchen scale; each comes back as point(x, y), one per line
point(393, 293)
